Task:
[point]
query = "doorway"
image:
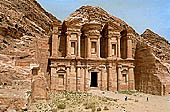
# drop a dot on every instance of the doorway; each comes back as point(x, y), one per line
point(93, 79)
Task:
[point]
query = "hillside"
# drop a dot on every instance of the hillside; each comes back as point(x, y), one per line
point(24, 25)
point(160, 46)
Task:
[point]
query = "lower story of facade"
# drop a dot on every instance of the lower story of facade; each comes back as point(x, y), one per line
point(91, 74)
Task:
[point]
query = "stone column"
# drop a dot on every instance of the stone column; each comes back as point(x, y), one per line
point(68, 78)
point(101, 87)
point(54, 78)
point(110, 77)
point(86, 79)
point(119, 77)
point(131, 83)
point(115, 78)
point(109, 47)
point(78, 83)
point(104, 79)
point(98, 47)
point(118, 47)
point(129, 46)
point(55, 42)
point(78, 44)
point(88, 47)
point(68, 45)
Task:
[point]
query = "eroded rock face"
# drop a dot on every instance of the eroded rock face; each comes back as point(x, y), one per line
point(86, 14)
point(152, 73)
point(23, 26)
point(159, 45)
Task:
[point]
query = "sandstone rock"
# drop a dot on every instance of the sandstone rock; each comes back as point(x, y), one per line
point(39, 87)
point(22, 24)
point(152, 64)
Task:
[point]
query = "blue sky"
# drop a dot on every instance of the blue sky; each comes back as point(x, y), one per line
point(140, 14)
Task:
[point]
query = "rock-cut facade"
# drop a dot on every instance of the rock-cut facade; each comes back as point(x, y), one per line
point(91, 56)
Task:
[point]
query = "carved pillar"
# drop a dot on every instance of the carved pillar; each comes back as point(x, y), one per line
point(55, 42)
point(78, 44)
point(68, 44)
point(109, 47)
point(115, 78)
point(98, 47)
point(119, 77)
point(118, 46)
point(129, 46)
point(88, 47)
point(68, 78)
point(101, 87)
point(131, 83)
point(53, 79)
point(110, 77)
point(86, 79)
point(78, 83)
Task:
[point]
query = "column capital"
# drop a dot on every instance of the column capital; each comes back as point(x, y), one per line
point(68, 33)
point(130, 35)
point(68, 66)
point(119, 66)
point(55, 32)
point(78, 63)
point(78, 66)
point(131, 66)
point(79, 34)
point(109, 65)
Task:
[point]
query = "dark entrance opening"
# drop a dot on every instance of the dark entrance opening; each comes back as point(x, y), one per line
point(93, 79)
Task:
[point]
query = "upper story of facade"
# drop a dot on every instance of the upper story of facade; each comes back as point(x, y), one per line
point(91, 41)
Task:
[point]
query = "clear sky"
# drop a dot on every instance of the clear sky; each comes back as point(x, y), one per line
point(140, 14)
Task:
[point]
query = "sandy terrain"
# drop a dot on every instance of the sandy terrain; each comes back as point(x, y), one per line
point(154, 104)
point(95, 101)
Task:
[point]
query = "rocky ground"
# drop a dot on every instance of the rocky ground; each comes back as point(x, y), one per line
point(94, 101)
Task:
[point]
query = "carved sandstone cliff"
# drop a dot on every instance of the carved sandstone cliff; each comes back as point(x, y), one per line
point(152, 64)
point(24, 31)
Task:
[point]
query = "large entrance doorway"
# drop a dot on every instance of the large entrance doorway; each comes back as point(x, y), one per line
point(93, 79)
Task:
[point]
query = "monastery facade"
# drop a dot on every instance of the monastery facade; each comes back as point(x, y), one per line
point(91, 57)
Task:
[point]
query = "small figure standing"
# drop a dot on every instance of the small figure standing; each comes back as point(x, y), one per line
point(147, 99)
point(126, 98)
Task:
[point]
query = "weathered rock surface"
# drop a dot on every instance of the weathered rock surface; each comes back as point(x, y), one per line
point(152, 64)
point(159, 45)
point(24, 25)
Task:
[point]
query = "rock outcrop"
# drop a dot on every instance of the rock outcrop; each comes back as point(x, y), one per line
point(152, 73)
point(24, 26)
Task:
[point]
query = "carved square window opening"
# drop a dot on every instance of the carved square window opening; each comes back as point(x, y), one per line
point(73, 46)
point(93, 47)
point(113, 49)
point(124, 78)
point(61, 79)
